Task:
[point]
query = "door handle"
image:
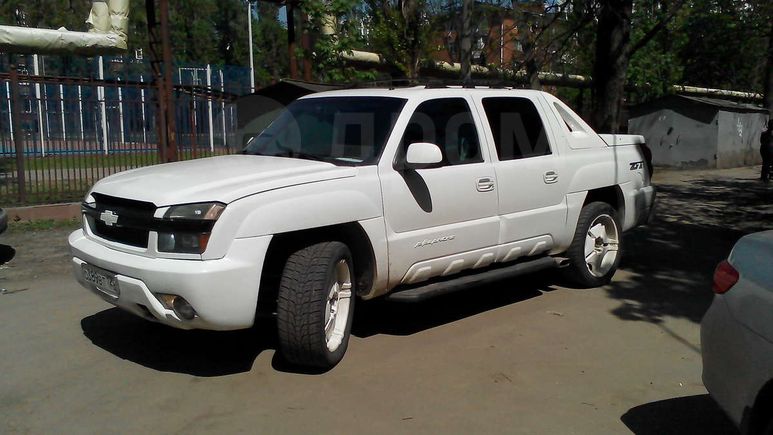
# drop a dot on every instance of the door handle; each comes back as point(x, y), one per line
point(485, 184)
point(550, 177)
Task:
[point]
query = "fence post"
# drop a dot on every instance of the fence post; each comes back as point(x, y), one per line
point(142, 98)
point(209, 110)
point(17, 135)
point(39, 97)
point(61, 107)
point(102, 107)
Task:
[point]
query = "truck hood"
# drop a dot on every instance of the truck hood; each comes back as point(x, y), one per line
point(224, 179)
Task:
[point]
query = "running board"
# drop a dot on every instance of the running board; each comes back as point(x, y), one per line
point(426, 291)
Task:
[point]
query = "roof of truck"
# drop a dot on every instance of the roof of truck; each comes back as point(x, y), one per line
point(424, 92)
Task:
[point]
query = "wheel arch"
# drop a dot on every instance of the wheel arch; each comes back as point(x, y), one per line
point(611, 195)
point(352, 234)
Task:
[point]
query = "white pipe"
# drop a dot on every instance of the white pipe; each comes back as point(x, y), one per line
point(102, 107)
point(568, 79)
point(361, 56)
point(715, 92)
point(209, 109)
point(252, 61)
point(36, 71)
point(142, 99)
point(108, 23)
point(61, 106)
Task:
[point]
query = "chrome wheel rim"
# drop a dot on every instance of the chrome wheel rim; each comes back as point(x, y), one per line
point(337, 307)
point(601, 245)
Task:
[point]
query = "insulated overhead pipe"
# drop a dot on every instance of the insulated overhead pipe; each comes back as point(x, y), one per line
point(108, 22)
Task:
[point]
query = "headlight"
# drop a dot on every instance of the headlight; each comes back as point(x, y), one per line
point(189, 227)
point(205, 211)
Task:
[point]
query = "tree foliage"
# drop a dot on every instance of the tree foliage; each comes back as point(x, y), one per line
point(710, 43)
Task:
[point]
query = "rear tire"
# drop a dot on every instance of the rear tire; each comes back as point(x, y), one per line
point(315, 305)
point(595, 250)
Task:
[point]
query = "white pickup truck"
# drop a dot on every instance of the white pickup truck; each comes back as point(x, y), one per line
point(355, 194)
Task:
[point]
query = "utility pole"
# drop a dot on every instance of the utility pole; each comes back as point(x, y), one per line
point(161, 62)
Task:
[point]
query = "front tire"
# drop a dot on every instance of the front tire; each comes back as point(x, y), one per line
point(595, 250)
point(315, 305)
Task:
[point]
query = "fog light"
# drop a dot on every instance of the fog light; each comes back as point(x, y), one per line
point(183, 309)
point(178, 304)
point(166, 300)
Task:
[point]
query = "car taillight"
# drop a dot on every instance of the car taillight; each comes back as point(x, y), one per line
point(725, 277)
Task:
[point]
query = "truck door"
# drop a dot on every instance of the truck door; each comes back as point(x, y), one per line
point(530, 174)
point(433, 214)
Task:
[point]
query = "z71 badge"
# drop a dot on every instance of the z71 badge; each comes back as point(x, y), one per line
point(637, 165)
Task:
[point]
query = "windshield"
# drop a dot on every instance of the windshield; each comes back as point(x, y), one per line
point(340, 130)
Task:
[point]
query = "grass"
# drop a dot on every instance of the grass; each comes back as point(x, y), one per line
point(97, 160)
point(43, 225)
point(84, 161)
point(43, 193)
point(81, 169)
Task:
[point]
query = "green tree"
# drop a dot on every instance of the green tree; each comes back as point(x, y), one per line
point(270, 44)
point(400, 31)
point(334, 26)
point(657, 65)
point(726, 43)
point(193, 31)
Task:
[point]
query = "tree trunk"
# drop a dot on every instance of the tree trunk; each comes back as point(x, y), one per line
point(613, 52)
point(410, 9)
point(528, 48)
point(466, 42)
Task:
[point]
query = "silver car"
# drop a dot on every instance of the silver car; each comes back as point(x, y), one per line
point(737, 335)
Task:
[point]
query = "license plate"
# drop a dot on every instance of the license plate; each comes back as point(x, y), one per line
point(103, 280)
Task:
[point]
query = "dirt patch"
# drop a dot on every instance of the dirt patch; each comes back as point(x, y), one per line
point(38, 253)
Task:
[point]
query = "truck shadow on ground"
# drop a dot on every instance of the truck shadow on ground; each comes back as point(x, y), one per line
point(396, 318)
point(211, 353)
point(672, 260)
point(682, 415)
point(162, 348)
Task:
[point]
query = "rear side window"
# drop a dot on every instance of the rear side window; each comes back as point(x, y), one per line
point(447, 123)
point(517, 128)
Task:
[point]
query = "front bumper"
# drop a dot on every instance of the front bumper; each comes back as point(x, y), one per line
point(223, 292)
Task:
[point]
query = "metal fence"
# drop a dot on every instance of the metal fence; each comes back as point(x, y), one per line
point(73, 131)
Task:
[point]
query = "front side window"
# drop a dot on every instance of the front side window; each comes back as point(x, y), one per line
point(447, 123)
point(517, 128)
point(339, 130)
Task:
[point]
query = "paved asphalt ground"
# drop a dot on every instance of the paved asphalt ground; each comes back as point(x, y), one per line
point(521, 356)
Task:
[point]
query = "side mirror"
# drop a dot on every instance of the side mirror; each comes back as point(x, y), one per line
point(422, 155)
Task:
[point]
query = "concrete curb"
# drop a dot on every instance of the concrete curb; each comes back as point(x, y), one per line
point(56, 212)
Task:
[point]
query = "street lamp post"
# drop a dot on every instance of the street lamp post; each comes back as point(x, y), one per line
point(249, 30)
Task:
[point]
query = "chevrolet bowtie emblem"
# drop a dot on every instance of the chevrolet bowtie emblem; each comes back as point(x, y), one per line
point(108, 217)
